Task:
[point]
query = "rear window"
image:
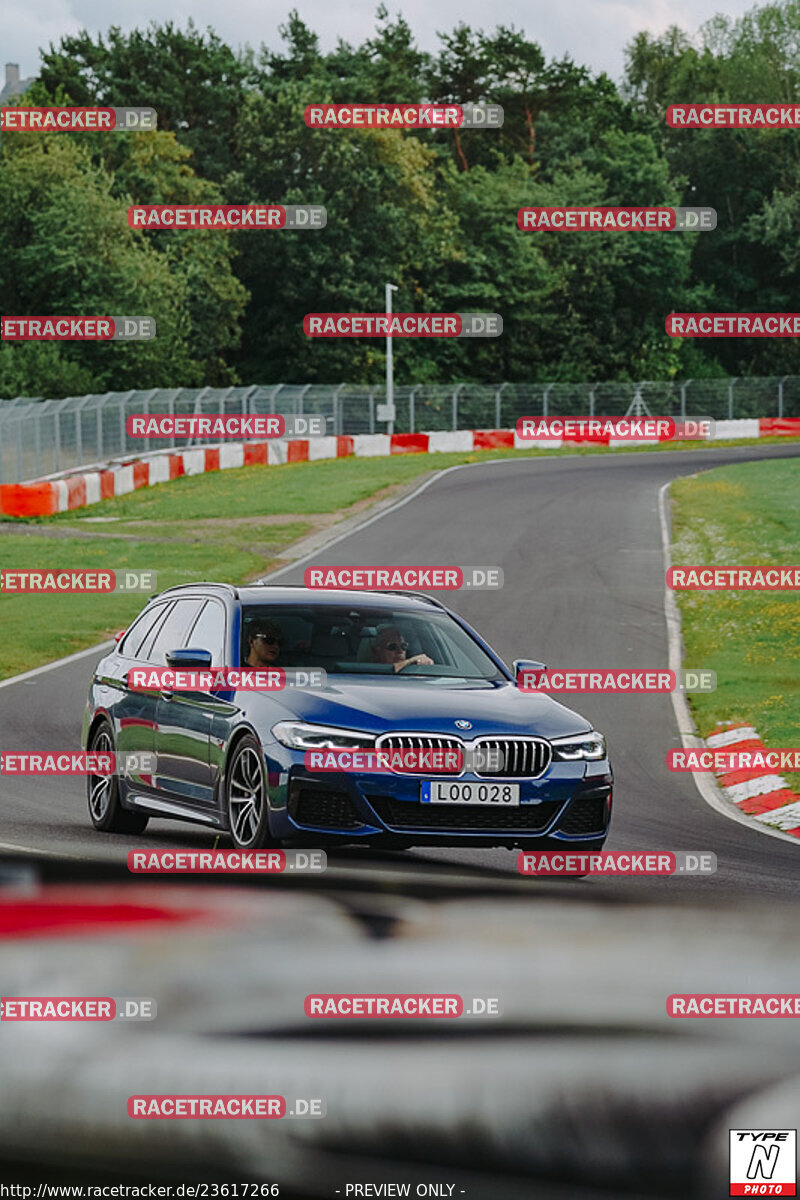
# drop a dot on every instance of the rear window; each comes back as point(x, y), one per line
point(131, 644)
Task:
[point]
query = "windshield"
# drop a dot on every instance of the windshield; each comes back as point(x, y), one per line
point(364, 640)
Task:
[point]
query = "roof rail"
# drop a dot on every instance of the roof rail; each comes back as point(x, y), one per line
point(362, 591)
point(208, 583)
point(406, 592)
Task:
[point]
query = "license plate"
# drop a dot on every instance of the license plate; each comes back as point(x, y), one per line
point(440, 791)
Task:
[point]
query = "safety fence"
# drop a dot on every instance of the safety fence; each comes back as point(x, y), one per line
point(40, 437)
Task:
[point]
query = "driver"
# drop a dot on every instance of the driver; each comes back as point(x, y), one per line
point(390, 647)
point(263, 644)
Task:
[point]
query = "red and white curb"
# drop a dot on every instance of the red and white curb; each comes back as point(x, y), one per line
point(761, 794)
point(710, 789)
point(44, 497)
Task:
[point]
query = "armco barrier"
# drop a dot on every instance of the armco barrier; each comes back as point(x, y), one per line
point(44, 497)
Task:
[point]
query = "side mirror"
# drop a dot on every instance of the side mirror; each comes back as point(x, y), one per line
point(189, 659)
point(527, 664)
point(118, 636)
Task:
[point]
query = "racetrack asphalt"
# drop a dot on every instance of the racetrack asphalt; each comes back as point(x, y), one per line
point(579, 541)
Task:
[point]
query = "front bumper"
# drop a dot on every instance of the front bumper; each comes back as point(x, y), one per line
point(570, 803)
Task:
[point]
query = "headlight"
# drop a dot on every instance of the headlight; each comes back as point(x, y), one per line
point(591, 746)
point(299, 736)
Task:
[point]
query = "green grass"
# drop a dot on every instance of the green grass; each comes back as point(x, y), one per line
point(746, 514)
point(225, 525)
point(39, 628)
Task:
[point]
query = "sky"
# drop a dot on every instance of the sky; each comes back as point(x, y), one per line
point(592, 32)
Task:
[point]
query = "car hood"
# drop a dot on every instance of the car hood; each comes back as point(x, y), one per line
point(382, 705)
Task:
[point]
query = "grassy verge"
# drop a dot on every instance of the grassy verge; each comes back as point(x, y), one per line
point(230, 526)
point(743, 514)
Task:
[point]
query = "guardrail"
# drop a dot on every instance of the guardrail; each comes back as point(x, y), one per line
point(40, 437)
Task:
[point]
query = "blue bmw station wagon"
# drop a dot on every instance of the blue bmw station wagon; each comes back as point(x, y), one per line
point(401, 670)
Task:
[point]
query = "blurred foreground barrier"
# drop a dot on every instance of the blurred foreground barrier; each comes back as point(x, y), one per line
point(582, 1086)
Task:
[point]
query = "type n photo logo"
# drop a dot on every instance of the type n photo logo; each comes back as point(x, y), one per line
point(763, 1162)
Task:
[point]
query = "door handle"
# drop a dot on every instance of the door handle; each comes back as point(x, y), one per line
point(167, 695)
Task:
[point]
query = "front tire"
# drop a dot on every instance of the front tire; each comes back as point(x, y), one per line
point(246, 806)
point(102, 792)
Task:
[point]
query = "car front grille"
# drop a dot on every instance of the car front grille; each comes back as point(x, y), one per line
point(587, 815)
point(417, 741)
point(411, 814)
point(521, 757)
point(322, 808)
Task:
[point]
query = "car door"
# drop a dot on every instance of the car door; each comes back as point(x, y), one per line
point(183, 719)
point(135, 710)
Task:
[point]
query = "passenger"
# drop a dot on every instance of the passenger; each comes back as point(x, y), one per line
point(390, 647)
point(263, 645)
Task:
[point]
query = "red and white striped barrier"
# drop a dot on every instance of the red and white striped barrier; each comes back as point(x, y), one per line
point(756, 791)
point(43, 497)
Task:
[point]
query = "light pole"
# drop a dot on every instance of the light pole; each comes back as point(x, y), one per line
point(390, 287)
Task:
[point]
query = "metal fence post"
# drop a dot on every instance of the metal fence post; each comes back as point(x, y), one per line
point(123, 433)
point(100, 432)
point(411, 409)
point(372, 410)
point(456, 390)
point(247, 399)
point(780, 395)
point(591, 402)
point(730, 396)
point(171, 406)
point(545, 394)
point(337, 410)
point(58, 438)
point(19, 449)
point(37, 420)
point(498, 411)
point(684, 386)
